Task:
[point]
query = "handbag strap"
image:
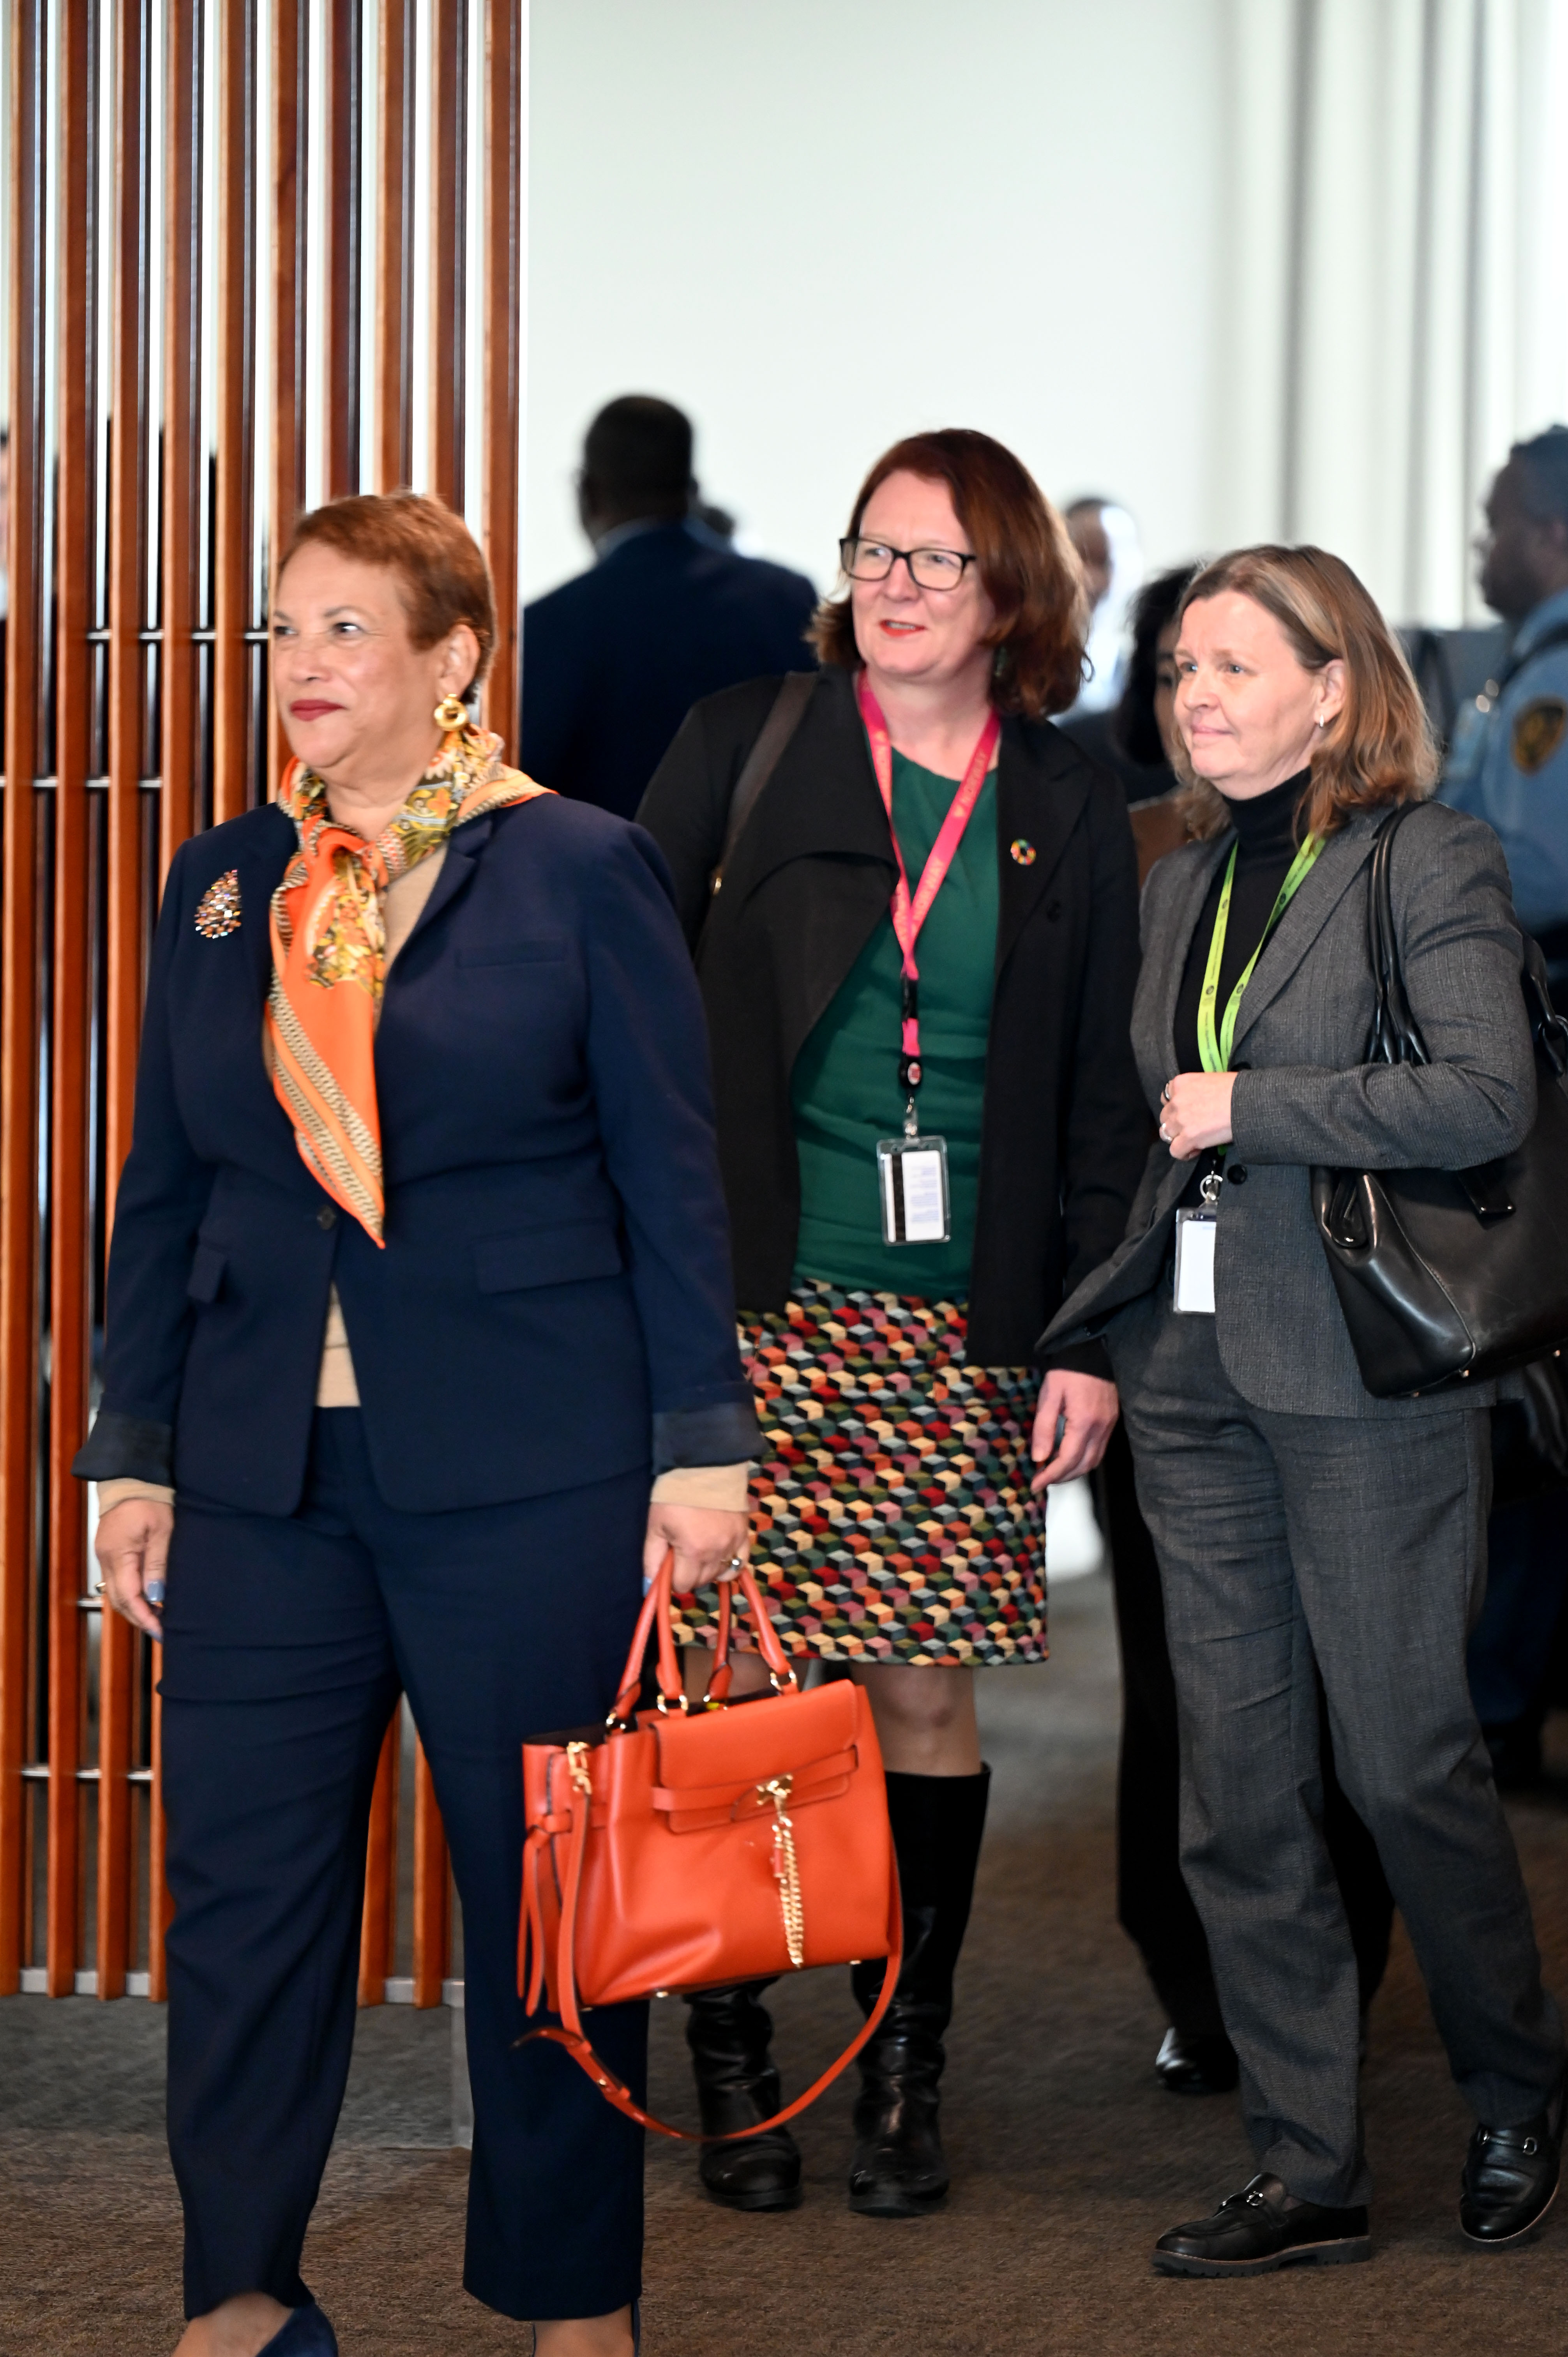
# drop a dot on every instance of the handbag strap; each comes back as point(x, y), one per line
point(656, 1613)
point(1396, 1035)
point(572, 2036)
point(787, 711)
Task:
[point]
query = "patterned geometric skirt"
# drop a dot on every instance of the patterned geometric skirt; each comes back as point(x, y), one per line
point(891, 1514)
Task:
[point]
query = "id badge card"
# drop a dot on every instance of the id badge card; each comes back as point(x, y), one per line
point(1196, 1232)
point(913, 1172)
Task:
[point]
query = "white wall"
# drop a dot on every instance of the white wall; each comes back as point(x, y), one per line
point(820, 224)
point(1258, 268)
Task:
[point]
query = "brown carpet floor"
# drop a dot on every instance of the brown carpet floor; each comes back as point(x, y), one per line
point(1068, 2158)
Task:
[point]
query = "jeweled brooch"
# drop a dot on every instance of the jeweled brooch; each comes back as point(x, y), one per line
point(1024, 853)
point(218, 910)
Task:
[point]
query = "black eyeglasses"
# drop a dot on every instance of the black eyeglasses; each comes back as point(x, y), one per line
point(929, 569)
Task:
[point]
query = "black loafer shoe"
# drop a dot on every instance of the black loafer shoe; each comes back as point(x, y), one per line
point(1253, 2233)
point(1197, 2066)
point(1509, 2180)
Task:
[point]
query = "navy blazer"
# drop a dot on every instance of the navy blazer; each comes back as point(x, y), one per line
point(554, 1303)
point(613, 661)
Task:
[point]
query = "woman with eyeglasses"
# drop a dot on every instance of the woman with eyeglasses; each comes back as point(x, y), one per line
point(919, 976)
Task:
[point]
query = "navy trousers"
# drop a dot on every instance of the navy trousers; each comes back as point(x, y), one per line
point(287, 1641)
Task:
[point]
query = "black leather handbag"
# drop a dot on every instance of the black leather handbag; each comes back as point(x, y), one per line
point(1448, 1277)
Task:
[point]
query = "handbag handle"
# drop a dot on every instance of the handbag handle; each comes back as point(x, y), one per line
point(656, 1613)
point(572, 2036)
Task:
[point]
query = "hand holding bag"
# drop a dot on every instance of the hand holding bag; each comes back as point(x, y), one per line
point(1449, 1275)
point(683, 1849)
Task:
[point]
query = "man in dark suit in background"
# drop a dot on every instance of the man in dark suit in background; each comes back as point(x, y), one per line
point(613, 661)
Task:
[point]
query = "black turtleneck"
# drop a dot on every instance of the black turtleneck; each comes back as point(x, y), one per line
point(1266, 845)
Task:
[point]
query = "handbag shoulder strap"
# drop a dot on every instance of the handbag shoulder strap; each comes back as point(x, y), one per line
point(1396, 1035)
point(572, 2036)
point(787, 711)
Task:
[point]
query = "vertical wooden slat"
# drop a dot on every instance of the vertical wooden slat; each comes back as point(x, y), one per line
point(124, 949)
point(394, 247)
point(286, 489)
point(448, 177)
point(18, 975)
point(233, 585)
point(379, 1925)
point(181, 420)
point(503, 386)
point(432, 1889)
point(343, 114)
point(75, 117)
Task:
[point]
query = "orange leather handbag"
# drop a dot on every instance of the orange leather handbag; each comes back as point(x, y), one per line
point(686, 1849)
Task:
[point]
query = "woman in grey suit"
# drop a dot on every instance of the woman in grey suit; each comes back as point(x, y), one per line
point(1307, 1531)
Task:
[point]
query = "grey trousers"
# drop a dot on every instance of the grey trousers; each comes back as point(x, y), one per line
point(1290, 1546)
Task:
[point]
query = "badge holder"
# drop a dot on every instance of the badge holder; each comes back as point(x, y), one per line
point(1197, 1231)
point(913, 1172)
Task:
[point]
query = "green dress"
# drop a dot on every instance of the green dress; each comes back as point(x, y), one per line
point(891, 1512)
point(845, 1084)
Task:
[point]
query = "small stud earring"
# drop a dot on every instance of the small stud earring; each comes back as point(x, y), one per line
point(1321, 721)
point(450, 713)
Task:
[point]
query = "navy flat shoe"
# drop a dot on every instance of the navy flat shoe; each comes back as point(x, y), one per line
point(307, 2334)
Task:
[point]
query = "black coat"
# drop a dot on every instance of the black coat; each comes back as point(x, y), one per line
point(1064, 1130)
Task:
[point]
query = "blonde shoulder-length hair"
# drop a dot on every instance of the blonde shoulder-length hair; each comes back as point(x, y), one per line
point(1380, 749)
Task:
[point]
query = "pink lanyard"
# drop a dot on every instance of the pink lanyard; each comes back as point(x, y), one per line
point(909, 914)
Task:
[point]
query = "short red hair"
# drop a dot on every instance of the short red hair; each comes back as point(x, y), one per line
point(1028, 565)
point(443, 578)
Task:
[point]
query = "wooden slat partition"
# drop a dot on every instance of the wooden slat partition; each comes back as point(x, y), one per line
point(233, 585)
point(126, 929)
point(149, 500)
point(504, 267)
point(18, 979)
point(345, 242)
point(394, 252)
point(70, 1015)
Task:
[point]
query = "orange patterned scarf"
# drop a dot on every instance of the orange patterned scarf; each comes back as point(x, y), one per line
point(328, 955)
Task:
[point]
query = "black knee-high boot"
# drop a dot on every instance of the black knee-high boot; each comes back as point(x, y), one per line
point(728, 2031)
point(899, 2169)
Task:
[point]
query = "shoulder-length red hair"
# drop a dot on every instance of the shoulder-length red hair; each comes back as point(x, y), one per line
point(1380, 749)
point(1027, 564)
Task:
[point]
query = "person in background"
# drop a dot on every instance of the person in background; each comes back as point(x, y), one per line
point(1308, 1532)
point(668, 612)
point(1510, 759)
point(1509, 766)
point(1106, 539)
point(907, 1431)
point(1134, 737)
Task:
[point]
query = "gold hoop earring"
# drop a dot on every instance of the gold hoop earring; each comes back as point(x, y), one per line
point(450, 713)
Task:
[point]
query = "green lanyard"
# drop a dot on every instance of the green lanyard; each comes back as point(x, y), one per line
point(1214, 1052)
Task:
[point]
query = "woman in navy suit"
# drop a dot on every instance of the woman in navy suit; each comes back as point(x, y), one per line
point(419, 1288)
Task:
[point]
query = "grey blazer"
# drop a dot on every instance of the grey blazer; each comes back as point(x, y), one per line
point(1304, 1095)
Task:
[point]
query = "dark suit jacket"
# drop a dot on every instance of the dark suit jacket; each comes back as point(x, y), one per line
point(613, 660)
point(552, 1305)
point(1063, 1127)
